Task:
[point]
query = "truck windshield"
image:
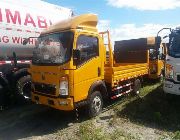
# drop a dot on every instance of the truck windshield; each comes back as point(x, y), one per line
point(174, 47)
point(53, 48)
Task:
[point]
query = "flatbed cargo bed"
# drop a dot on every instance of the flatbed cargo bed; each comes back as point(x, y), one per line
point(124, 71)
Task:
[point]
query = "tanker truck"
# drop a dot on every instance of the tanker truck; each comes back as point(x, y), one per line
point(18, 20)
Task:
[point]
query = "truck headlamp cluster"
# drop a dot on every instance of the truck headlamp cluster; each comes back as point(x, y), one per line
point(63, 88)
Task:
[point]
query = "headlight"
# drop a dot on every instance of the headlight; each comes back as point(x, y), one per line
point(63, 88)
point(169, 72)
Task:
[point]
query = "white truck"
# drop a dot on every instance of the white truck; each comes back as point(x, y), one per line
point(19, 20)
point(172, 64)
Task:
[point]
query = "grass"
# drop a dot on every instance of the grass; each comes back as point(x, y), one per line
point(121, 135)
point(153, 108)
point(88, 131)
point(114, 120)
point(148, 88)
point(176, 135)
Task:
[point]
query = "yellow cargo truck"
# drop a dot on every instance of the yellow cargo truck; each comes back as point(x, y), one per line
point(70, 68)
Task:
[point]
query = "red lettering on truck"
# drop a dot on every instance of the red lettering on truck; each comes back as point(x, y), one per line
point(31, 41)
point(29, 20)
point(5, 39)
point(14, 18)
point(42, 22)
point(16, 40)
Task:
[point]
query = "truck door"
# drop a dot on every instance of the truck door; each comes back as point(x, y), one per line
point(88, 69)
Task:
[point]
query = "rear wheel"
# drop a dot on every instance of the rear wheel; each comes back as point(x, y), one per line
point(95, 104)
point(1, 95)
point(4, 98)
point(23, 86)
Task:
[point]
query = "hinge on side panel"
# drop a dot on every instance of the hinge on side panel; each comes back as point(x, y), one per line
point(99, 71)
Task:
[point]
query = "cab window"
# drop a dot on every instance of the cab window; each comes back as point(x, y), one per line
point(88, 46)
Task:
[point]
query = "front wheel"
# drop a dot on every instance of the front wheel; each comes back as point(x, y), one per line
point(23, 86)
point(95, 104)
point(4, 97)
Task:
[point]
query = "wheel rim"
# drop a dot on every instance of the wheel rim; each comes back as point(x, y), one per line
point(96, 104)
point(25, 89)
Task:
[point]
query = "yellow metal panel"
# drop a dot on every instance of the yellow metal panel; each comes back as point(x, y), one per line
point(52, 75)
point(83, 21)
point(44, 100)
point(125, 71)
point(87, 73)
point(84, 77)
point(159, 64)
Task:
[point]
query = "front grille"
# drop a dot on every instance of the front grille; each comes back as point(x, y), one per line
point(178, 77)
point(45, 88)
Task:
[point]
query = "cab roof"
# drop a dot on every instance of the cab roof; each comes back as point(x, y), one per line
point(85, 21)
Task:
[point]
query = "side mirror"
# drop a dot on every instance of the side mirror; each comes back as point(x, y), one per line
point(25, 41)
point(165, 36)
point(76, 56)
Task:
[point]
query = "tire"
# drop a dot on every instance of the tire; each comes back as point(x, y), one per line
point(1, 96)
point(4, 98)
point(23, 87)
point(137, 87)
point(1, 88)
point(95, 104)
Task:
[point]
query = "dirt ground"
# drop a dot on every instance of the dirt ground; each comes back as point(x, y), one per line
point(152, 115)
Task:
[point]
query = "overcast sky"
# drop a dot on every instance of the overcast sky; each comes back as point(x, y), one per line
point(128, 18)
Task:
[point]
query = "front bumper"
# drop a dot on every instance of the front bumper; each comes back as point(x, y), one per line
point(54, 102)
point(171, 87)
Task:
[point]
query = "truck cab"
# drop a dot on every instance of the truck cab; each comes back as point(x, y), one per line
point(172, 64)
point(67, 61)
